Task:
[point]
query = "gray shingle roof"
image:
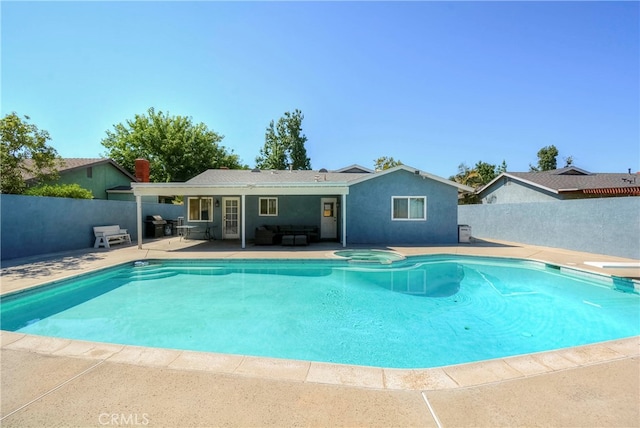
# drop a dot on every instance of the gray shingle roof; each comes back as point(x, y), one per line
point(303, 182)
point(304, 178)
point(565, 180)
point(238, 177)
point(573, 179)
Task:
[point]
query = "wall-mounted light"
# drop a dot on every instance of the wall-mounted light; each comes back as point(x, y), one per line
point(217, 203)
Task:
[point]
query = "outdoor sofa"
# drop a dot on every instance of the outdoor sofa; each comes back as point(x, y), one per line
point(277, 234)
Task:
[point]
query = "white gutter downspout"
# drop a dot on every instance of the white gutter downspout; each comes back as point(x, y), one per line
point(344, 220)
point(139, 219)
point(244, 236)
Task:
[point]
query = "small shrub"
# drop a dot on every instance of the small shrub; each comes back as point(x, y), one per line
point(60, 191)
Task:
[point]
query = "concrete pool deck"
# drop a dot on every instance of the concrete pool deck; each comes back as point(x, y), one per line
point(59, 382)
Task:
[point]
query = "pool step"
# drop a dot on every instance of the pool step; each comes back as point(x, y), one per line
point(150, 272)
point(148, 275)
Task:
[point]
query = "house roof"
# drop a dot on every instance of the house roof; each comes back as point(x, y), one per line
point(119, 189)
point(572, 179)
point(415, 171)
point(245, 177)
point(71, 164)
point(345, 176)
point(230, 181)
point(354, 168)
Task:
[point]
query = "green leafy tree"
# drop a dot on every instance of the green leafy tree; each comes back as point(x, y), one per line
point(385, 162)
point(502, 168)
point(176, 148)
point(273, 154)
point(24, 152)
point(60, 191)
point(481, 174)
point(467, 176)
point(546, 159)
point(488, 172)
point(284, 144)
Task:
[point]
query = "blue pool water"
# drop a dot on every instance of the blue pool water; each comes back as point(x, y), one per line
point(425, 311)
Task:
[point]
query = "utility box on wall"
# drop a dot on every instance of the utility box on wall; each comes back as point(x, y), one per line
point(464, 233)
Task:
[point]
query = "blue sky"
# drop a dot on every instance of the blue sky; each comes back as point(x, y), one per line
point(433, 84)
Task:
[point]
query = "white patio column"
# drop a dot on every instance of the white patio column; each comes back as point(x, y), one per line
point(139, 219)
point(344, 220)
point(242, 230)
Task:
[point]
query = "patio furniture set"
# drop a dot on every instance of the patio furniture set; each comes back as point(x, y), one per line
point(286, 235)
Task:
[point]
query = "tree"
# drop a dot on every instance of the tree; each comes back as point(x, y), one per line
point(274, 153)
point(284, 144)
point(176, 148)
point(502, 168)
point(546, 159)
point(467, 177)
point(488, 172)
point(385, 162)
point(481, 174)
point(24, 153)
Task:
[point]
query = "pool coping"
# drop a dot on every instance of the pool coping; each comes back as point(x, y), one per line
point(438, 378)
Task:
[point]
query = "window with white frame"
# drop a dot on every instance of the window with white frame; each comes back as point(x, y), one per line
point(409, 208)
point(268, 206)
point(200, 209)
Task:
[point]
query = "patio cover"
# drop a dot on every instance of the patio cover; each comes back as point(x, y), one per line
point(242, 190)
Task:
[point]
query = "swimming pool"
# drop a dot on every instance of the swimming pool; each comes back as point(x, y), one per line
point(425, 311)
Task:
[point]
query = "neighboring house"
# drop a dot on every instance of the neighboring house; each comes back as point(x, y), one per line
point(103, 177)
point(557, 184)
point(401, 205)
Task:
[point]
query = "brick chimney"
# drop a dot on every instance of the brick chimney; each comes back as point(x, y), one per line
point(142, 170)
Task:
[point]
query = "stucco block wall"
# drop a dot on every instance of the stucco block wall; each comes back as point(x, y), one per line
point(609, 226)
point(32, 225)
point(369, 211)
